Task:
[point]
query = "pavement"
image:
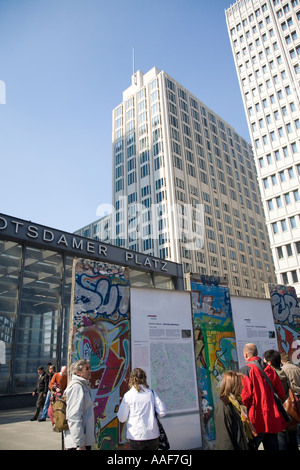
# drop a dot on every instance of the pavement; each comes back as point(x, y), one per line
point(17, 432)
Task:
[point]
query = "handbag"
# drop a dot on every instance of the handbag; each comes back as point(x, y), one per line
point(278, 402)
point(292, 406)
point(163, 438)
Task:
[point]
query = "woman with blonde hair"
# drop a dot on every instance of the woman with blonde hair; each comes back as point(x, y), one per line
point(233, 428)
point(138, 408)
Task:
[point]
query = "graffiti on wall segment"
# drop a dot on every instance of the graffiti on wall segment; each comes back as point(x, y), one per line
point(101, 335)
point(286, 313)
point(215, 345)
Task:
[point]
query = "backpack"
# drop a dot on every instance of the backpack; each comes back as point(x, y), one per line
point(59, 408)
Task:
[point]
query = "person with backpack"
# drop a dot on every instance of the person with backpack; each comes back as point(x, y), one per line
point(260, 382)
point(79, 410)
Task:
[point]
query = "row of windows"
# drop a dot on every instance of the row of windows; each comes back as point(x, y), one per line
point(289, 38)
point(268, 119)
point(285, 224)
point(288, 198)
point(271, 158)
point(293, 277)
point(278, 133)
point(281, 176)
point(288, 250)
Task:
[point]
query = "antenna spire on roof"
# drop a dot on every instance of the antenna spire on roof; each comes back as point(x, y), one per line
point(133, 60)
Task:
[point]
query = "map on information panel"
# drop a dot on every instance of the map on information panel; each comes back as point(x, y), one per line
point(171, 377)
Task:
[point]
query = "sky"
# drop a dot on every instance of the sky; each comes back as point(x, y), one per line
point(64, 65)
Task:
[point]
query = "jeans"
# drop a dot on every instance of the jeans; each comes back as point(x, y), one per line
point(288, 440)
point(269, 441)
point(46, 405)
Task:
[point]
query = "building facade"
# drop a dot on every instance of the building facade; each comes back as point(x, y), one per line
point(265, 39)
point(185, 186)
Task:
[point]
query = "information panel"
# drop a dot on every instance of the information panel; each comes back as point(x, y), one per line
point(253, 323)
point(162, 345)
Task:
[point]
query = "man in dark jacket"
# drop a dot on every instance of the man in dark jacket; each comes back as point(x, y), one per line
point(259, 399)
point(41, 390)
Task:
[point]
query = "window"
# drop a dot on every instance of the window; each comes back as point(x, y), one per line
point(288, 90)
point(266, 183)
point(294, 148)
point(296, 195)
point(293, 222)
point(275, 228)
point(294, 276)
point(282, 176)
point(284, 225)
point(274, 180)
point(285, 151)
point(287, 198)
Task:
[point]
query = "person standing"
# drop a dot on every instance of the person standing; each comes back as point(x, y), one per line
point(259, 399)
point(138, 408)
point(49, 374)
point(233, 430)
point(287, 439)
point(59, 380)
point(41, 390)
point(293, 373)
point(80, 410)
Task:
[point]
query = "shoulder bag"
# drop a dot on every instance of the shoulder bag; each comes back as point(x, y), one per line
point(163, 438)
point(292, 406)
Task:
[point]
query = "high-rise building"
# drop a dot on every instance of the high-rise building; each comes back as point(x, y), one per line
point(265, 39)
point(185, 186)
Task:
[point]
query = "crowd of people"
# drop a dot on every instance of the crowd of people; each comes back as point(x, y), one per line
point(248, 416)
point(250, 413)
point(50, 385)
point(140, 406)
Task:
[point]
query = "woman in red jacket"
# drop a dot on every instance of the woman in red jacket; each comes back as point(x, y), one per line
point(259, 399)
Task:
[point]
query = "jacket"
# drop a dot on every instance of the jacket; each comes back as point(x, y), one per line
point(293, 373)
point(41, 384)
point(80, 414)
point(59, 380)
point(230, 433)
point(259, 399)
point(138, 409)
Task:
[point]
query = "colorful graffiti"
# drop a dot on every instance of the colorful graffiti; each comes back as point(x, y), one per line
point(215, 345)
point(101, 334)
point(286, 313)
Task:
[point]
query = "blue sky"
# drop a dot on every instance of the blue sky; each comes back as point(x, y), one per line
point(65, 64)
